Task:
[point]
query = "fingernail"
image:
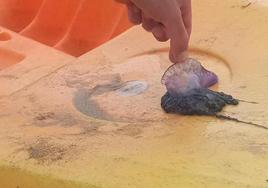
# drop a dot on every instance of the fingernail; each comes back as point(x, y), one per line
point(182, 57)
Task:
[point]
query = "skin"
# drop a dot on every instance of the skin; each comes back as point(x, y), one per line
point(166, 20)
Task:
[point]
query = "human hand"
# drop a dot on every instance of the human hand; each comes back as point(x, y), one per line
point(167, 20)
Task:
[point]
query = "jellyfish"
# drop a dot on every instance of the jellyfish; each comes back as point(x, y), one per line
point(188, 90)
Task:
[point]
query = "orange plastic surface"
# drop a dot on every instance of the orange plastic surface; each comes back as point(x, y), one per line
point(72, 26)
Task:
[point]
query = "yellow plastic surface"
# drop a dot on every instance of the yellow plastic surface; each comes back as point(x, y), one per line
point(128, 141)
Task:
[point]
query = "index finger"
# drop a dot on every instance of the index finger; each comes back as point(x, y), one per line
point(179, 38)
point(186, 11)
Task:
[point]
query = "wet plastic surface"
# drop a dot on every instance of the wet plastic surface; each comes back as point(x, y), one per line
point(43, 131)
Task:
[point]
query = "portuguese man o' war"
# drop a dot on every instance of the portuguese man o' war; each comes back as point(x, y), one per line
point(187, 90)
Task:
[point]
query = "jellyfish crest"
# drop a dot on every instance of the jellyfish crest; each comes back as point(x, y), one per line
point(183, 77)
